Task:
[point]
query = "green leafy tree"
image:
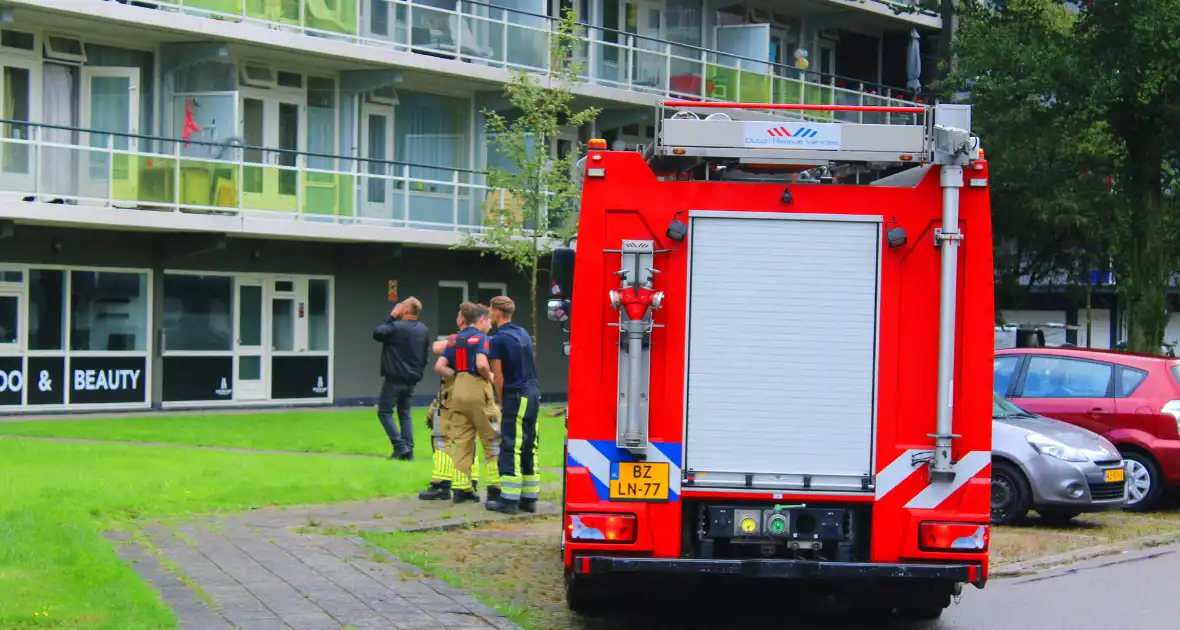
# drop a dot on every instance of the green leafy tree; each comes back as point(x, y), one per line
point(1078, 113)
point(1049, 156)
point(537, 207)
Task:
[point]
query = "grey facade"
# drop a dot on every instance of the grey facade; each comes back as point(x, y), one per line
point(359, 273)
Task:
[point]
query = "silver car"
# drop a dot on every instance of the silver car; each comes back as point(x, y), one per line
point(1055, 468)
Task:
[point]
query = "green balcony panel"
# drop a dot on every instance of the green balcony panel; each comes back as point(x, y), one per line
point(328, 194)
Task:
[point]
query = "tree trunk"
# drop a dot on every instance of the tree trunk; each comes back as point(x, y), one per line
point(1146, 286)
point(533, 301)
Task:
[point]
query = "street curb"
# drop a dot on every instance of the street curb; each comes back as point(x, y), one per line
point(1029, 567)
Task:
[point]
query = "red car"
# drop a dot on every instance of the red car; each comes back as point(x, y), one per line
point(1133, 400)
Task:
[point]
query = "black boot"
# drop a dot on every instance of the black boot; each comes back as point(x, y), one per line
point(475, 486)
point(463, 496)
point(503, 506)
point(528, 505)
point(438, 491)
point(493, 493)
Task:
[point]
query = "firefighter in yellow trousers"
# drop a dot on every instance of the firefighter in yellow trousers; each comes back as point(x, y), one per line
point(470, 410)
point(443, 469)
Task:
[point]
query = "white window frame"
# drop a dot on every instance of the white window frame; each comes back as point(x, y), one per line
point(501, 286)
point(67, 323)
point(58, 55)
point(267, 281)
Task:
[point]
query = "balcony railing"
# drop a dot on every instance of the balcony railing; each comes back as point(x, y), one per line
point(87, 168)
point(489, 35)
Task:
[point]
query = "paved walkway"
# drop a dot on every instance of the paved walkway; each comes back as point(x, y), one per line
point(304, 568)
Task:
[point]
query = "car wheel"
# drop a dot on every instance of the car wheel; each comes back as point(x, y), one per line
point(1145, 484)
point(1011, 497)
point(1057, 517)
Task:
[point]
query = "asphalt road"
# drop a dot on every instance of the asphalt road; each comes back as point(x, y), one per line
point(1132, 590)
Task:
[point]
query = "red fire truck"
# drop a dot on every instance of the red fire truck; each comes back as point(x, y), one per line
point(780, 346)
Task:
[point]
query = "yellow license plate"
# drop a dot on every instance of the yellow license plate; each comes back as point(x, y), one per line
point(639, 481)
point(1114, 475)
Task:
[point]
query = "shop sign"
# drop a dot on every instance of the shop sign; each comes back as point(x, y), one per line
point(108, 380)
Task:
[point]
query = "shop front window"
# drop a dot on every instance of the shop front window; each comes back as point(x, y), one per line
point(198, 313)
point(108, 311)
point(47, 309)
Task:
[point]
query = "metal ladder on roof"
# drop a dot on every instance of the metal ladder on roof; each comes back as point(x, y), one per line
point(756, 134)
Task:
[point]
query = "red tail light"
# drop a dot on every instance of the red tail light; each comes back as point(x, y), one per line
point(609, 528)
point(960, 537)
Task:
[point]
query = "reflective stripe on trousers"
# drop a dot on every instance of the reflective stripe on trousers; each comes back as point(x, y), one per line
point(518, 450)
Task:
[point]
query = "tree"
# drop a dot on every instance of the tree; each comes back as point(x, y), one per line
point(1049, 156)
point(538, 206)
point(1061, 94)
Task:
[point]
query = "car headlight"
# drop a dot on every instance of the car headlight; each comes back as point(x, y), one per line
point(1053, 448)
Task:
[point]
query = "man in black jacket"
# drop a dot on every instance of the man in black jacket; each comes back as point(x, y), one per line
point(404, 351)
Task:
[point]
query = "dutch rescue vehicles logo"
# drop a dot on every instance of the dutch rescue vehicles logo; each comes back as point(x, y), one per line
point(778, 136)
point(783, 132)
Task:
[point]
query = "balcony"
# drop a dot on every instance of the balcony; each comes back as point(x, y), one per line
point(482, 34)
point(122, 172)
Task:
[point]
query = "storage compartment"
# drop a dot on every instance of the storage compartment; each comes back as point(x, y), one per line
point(783, 318)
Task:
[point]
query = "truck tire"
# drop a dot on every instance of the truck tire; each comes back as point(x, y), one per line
point(585, 596)
point(924, 606)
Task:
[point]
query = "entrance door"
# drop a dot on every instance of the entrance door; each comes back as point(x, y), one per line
point(645, 19)
point(377, 144)
point(17, 93)
point(110, 102)
point(271, 121)
point(251, 360)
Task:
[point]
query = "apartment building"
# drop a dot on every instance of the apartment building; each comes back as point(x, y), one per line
point(212, 202)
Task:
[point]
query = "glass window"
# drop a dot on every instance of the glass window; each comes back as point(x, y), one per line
point(486, 292)
point(11, 276)
point(282, 326)
point(250, 315)
point(1129, 380)
point(108, 311)
point(198, 312)
point(9, 319)
point(318, 323)
point(431, 130)
point(47, 309)
point(449, 299)
point(1002, 370)
point(1054, 377)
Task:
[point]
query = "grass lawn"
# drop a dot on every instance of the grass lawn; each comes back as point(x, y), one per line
point(517, 567)
point(353, 431)
point(56, 497)
point(56, 570)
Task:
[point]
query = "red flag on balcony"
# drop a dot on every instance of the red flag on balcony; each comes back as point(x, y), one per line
point(190, 123)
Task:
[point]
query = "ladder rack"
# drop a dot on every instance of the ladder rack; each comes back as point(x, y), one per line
point(749, 134)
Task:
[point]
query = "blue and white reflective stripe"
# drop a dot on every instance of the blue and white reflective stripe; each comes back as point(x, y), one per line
point(596, 456)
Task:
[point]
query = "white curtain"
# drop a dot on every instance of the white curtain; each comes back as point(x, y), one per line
point(58, 103)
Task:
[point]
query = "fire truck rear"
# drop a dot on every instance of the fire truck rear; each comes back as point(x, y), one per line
point(775, 371)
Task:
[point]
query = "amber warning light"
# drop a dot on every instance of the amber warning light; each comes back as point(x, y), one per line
point(596, 143)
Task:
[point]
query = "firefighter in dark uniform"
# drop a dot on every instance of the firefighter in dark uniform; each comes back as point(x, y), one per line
point(519, 394)
point(472, 408)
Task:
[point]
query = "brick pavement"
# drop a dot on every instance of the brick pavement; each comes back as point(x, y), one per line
point(305, 568)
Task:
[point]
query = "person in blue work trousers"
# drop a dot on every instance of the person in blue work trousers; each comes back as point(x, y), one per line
point(515, 372)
